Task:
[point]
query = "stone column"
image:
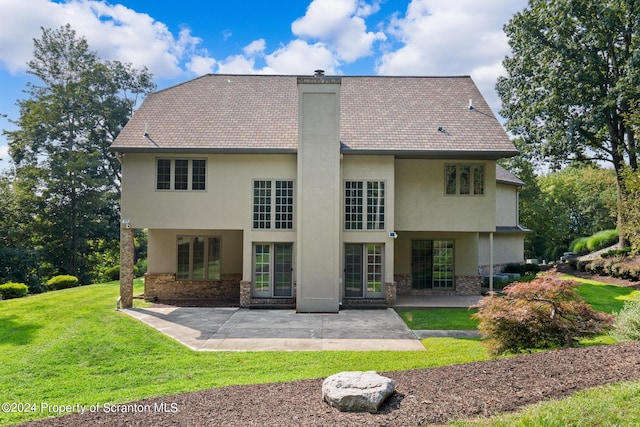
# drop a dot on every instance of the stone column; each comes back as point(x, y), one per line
point(126, 265)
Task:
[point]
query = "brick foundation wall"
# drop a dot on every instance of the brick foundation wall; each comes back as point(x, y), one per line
point(390, 293)
point(165, 287)
point(247, 301)
point(464, 285)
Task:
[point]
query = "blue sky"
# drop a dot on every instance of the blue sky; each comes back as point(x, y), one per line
point(181, 40)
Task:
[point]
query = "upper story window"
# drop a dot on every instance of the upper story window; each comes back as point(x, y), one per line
point(357, 202)
point(464, 180)
point(181, 174)
point(273, 204)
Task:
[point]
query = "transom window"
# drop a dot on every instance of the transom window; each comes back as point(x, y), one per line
point(181, 174)
point(356, 204)
point(464, 180)
point(198, 258)
point(273, 209)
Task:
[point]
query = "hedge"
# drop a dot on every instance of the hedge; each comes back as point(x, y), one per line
point(62, 282)
point(13, 290)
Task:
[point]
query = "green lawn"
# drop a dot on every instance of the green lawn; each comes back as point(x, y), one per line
point(439, 318)
point(605, 297)
point(72, 347)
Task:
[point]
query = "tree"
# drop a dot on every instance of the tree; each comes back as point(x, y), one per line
point(558, 207)
point(543, 313)
point(572, 79)
point(75, 109)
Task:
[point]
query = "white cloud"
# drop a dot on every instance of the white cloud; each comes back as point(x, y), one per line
point(444, 37)
point(299, 57)
point(114, 31)
point(200, 65)
point(256, 47)
point(340, 25)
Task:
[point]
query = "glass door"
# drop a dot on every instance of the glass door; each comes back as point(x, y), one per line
point(422, 264)
point(353, 286)
point(283, 270)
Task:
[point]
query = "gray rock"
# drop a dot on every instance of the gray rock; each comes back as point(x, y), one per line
point(357, 391)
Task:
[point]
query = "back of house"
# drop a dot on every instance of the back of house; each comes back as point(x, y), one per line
point(318, 192)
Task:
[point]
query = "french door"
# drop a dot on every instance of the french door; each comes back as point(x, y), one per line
point(363, 271)
point(432, 264)
point(273, 270)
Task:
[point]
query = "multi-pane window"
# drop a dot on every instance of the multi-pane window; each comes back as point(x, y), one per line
point(355, 204)
point(198, 258)
point(273, 210)
point(375, 205)
point(284, 205)
point(273, 270)
point(363, 269)
point(181, 174)
point(464, 180)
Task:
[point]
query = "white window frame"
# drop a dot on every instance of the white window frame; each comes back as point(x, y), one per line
point(173, 170)
point(271, 217)
point(360, 214)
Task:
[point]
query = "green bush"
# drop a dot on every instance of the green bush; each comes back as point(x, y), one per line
point(616, 252)
point(13, 290)
point(522, 269)
point(113, 273)
point(596, 267)
point(627, 324)
point(602, 239)
point(582, 265)
point(579, 246)
point(62, 282)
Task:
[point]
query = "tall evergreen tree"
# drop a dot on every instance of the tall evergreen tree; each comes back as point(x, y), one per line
point(75, 108)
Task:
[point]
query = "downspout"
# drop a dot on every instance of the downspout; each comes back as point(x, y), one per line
point(491, 262)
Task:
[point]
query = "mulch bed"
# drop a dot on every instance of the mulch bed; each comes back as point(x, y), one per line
point(424, 396)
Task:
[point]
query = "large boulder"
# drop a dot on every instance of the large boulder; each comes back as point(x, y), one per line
point(357, 391)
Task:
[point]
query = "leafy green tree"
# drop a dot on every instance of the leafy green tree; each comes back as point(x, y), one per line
point(572, 78)
point(561, 206)
point(76, 107)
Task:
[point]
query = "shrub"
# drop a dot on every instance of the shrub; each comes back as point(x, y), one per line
point(13, 290)
point(579, 246)
point(602, 239)
point(596, 267)
point(582, 265)
point(627, 324)
point(543, 313)
point(113, 273)
point(616, 252)
point(522, 269)
point(62, 282)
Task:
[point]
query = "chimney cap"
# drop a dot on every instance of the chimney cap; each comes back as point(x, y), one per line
point(319, 73)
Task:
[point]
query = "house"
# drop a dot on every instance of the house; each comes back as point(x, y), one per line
point(316, 192)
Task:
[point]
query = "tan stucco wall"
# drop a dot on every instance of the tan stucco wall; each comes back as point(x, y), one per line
point(226, 203)
point(371, 168)
point(162, 247)
point(506, 248)
point(421, 203)
point(506, 205)
point(465, 249)
point(318, 202)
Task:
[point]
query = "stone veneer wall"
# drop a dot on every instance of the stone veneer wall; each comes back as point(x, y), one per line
point(165, 287)
point(464, 285)
point(497, 268)
point(247, 301)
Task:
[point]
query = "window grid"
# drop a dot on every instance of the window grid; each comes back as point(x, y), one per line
point(262, 204)
point(163, 177)
point(262, 274)
point(198, 258)
point(375, 205)
point(198, 174)
point(284, 205)
point(181, 181)
point(181, 174)
point(464, 180)
point(443, 263)
point(374, 268)
point(353, 205)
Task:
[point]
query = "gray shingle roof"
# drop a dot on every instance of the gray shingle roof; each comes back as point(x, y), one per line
point(505, 177)
point(399, 115)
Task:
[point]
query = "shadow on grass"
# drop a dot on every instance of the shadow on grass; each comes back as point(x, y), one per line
point(14, 332)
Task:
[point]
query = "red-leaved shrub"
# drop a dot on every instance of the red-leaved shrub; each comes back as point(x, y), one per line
point(544, 313)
